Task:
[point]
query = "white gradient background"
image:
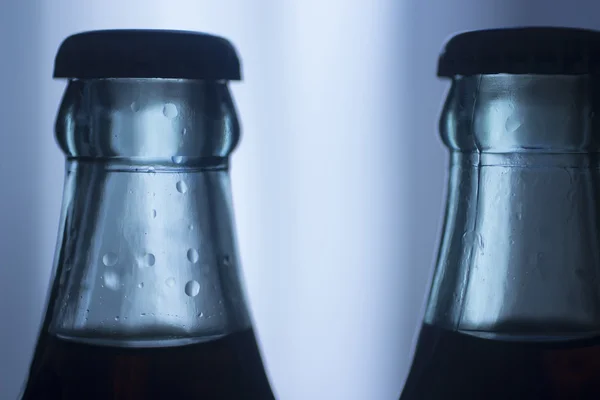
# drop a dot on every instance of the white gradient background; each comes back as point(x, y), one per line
point(338, 181)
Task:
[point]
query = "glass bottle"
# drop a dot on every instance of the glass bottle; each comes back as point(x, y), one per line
point(514, 307)
point(146, 300)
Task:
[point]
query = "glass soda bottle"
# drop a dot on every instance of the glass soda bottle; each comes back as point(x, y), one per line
point(146, 300)
point(514, 307)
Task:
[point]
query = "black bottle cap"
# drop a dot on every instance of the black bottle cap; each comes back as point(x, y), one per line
point(529, 50)
point(147, 54)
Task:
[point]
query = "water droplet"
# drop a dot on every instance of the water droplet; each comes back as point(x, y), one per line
point(184, 131)
point(191, 227)
point(135, 107)
point(181, 187)
point(110, 259)
point(200, 315)
point(141, 285)
point(513, 123)
point(170, 282)
point(117, 318)
point(226, 261)
point(472, 238)
point(192, 288)
point(153, 213)
point(143, 314)
point(151, 170)
point(170, 110)
point(192, 256)
point(111, 280)
point(149, 259)
point(177, 159)
point(468, 236)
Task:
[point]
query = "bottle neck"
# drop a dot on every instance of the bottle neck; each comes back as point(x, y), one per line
point(148, 121)
point(147, 253)
point(522, 114)
point(520, 249)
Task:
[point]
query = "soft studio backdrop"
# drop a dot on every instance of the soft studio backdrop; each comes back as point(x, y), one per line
point(338, 182)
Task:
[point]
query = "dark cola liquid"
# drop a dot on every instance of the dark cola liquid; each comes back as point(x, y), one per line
point(226, 368)
point(451, 365)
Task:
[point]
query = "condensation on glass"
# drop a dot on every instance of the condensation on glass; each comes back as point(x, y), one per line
point(147, 248)
point(520, 253)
